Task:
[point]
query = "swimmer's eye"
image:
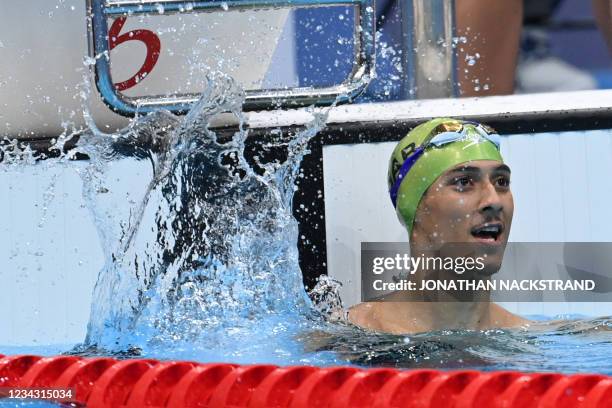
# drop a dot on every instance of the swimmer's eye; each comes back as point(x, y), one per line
point(502, 181)
point(462, 182)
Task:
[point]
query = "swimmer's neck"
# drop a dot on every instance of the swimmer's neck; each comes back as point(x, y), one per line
point(442, 315)
point(456, 315)
point(439, 310)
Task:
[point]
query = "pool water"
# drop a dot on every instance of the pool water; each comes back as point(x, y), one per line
point(569, 346)
point(566, 346)
point(28, 404)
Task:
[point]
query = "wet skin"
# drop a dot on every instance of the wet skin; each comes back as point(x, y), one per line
point(470, 203)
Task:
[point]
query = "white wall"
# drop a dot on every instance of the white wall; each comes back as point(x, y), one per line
point(49, 257)
point(50, 253)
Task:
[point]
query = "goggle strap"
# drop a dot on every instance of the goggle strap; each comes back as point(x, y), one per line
point(406, 166)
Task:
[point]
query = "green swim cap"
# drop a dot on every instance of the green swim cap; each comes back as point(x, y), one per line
point(469, 141)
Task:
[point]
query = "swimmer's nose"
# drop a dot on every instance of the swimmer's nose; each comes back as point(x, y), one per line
point(491, 202)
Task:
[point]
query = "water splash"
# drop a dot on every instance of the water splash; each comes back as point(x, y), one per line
point(211, 244)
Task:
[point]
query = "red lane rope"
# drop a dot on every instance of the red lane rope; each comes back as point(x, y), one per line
point(106, 382)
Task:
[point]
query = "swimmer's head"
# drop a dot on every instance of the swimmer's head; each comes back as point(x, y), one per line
point(430, 151)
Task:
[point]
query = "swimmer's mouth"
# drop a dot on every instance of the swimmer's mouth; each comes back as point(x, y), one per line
point(488, 232)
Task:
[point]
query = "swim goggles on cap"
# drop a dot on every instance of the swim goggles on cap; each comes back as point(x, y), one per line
point(439, 140)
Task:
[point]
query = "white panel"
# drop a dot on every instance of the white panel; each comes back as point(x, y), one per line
point(6, 302)
point(50, 256)
point(549, 198)
point(357, 209)
point(599, 169)
point(575, 186)
point(523, 184)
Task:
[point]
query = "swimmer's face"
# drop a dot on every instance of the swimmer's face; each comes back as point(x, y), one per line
point(470, 203)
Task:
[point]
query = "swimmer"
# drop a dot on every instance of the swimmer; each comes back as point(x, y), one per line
point(448, 184)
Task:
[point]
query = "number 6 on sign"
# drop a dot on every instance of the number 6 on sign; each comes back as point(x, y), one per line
point(102, 11)
point(150, 40)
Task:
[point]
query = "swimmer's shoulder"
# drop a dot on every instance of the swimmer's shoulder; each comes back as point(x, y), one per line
point(506, 319)
point(364, 315)
point(383, 317)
